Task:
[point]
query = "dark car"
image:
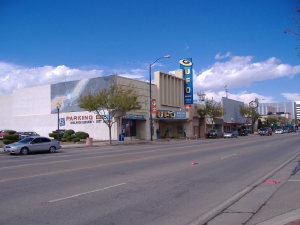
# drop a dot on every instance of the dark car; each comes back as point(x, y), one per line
point(243, 133)
point(265, 131)
point(215, 134)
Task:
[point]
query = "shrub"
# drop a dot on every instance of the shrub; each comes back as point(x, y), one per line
point(7, 141)
point(69, 138)
point(66, 135)
point(76, 140)
point(81, 135)
point(54, 135)
point(73, 136)
point(11, 136)
point(70, 132)
point(63, 140)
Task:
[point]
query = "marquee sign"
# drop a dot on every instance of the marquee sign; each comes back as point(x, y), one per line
point(170, 114)
point(187, 66)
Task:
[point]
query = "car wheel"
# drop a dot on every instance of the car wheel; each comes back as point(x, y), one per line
point(52, 149)
point(24, 151)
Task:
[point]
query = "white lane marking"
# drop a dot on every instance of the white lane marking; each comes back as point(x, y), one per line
point(74, 196)
point(294, 180)
point(227, 156)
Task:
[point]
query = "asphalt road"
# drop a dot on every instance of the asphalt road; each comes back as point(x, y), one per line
point(139, 184)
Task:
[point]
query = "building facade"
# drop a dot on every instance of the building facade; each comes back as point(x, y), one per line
point(34, 109)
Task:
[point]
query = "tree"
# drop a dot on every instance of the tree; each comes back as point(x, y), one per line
point(295, 122)
point(114, 99)
point(283, 120)
point(272, 120)
point(249, 113)
point(211, 110)
point(297, 31)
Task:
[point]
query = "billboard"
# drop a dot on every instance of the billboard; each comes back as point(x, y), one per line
point(187, 66)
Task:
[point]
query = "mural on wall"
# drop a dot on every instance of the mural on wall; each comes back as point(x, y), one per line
point(187, 66)
point(68, 93)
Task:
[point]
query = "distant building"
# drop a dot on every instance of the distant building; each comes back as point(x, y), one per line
point(283, 107)
point(298, 110)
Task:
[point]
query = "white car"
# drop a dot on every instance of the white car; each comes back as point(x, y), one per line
point(279, 131)
point(32, 144)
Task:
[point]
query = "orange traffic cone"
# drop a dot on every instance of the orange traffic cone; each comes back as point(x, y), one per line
point(186, 139)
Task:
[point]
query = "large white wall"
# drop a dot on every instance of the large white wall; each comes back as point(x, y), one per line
point(30, 110)
point(6, 103)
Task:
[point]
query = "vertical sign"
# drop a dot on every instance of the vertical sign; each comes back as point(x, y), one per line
point(187, 66)
point(153, 106)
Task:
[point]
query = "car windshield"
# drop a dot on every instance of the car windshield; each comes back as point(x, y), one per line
point(230, 131)
point(26, 140)
point(212, 131)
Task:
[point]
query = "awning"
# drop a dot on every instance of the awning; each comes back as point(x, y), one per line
point(288, 125)
point(218, 121)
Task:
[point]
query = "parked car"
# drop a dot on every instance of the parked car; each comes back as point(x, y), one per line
point(214, 134)
point(19, 133)
point(278, 131)
point(286, 130)
point(297, 130)
point(32, 144)
point(3, 132)
point(243, 133)
point(265, 131)
point(231, 134)
point(28, 134)
point(293, 130)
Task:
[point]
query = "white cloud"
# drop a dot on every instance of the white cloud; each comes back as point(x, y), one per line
point(291, 96)
point(242, 97)
point(240, 71)
point(218, 56)
point(15, 77)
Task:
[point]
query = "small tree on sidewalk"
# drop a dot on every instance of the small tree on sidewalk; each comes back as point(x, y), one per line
point(211, 110)
point(114, 99)
point(249, 113)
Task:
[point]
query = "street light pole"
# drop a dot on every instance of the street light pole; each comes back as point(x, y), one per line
point(58, 106)
point(151, 122)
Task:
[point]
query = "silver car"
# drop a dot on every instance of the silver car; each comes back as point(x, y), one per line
point(231, 134)
point(32, 144)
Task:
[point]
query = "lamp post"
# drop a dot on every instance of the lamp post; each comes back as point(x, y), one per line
point(58, 106)
point(151, 122)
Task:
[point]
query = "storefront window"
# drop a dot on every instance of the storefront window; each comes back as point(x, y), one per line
point(129, 127)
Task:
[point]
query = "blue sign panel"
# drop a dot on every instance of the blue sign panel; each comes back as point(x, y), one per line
point(171, 114)
point(187, 66)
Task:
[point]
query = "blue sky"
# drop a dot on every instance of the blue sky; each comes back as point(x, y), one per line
point(238, 43)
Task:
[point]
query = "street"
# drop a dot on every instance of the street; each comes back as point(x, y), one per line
point(140, 184)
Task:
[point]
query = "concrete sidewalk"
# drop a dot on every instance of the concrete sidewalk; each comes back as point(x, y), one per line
point(274, 200)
